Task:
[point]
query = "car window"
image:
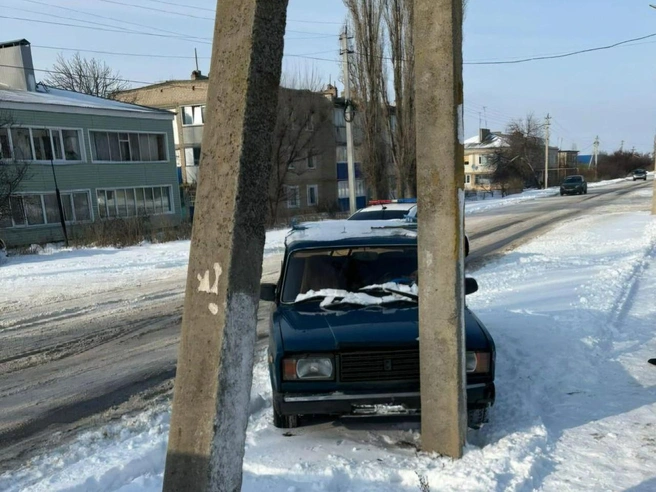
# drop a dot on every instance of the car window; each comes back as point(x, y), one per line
point(573, 179)
point(382, 214)
point(347, 269)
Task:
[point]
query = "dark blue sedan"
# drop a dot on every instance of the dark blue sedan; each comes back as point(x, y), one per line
point(344, 332)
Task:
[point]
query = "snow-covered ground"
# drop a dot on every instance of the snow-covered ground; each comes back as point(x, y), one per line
point(573, 317)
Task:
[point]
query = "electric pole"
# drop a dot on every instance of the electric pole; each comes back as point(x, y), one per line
point(440, 182)
point(348, 116)
point(217, 342)
point(546, 152)
point(595, 156)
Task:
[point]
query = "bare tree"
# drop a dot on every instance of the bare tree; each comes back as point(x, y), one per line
point(12, 171)
point(522, 157)
point(400, 120)
point(79, 74)
point(368, 79)
point(302, 116)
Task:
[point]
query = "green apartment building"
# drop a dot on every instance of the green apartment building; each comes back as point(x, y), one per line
point(110, 159)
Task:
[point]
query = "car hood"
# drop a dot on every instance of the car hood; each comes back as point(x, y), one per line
point(317, 330)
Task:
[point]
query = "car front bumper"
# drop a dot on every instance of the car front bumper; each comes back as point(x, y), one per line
point(479, 395)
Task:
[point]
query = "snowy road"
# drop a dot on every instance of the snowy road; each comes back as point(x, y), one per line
point(76, 353)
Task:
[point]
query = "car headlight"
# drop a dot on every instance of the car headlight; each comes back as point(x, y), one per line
point(307, 368)
point(477, 362)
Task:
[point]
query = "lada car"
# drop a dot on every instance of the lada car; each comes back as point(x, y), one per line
point(343, 336)
point(574, 185)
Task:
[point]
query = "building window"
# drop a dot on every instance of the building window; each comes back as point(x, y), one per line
point(193, 115)
point(41, 144)
point(343, 188)
point(128, 147)
point(5, 146)
point(293, 197)
point(480, 160)
point(468, 178)
point(312, 195)
point(192, 156)
point(309, 124)
point(42, 208)
point(311, 161)
point(132, 202)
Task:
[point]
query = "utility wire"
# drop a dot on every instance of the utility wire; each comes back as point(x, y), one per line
point(304, 21)
point(61, 72)
point(113, 19)
point(562, 55)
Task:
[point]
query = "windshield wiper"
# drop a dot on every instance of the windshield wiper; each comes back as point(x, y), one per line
point(387, 290)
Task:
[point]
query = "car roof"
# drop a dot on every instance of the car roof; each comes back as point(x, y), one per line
point(335, 233)
point(386, 206)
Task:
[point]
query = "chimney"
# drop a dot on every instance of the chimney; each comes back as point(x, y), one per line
point(483, 134)
point(16, 68)
point(198, 75)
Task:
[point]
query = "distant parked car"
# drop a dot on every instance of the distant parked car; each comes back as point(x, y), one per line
point(384, 210)
point(639, 174)
point(574, 185)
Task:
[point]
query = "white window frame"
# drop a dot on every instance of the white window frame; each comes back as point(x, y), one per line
point(311, 159)
point(129, 132)
point(467, 178)
point(201, 112)
point(136, 205)
point(29, 128)
point(316, 195)
point(43, 208)
point(297, 193)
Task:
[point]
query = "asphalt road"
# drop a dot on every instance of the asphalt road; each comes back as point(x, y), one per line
point(69, 367)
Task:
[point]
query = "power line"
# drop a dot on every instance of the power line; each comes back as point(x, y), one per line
point(562, 55)
point(150, 55)
point(304, 21)
point(113, 19)
point(118, 79)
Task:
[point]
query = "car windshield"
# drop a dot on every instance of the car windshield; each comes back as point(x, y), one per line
point(348, 269)
point(573, 179)
point(381, 214)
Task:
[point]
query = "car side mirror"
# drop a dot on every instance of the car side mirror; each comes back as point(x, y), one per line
point(268, 292)
point(471, 285)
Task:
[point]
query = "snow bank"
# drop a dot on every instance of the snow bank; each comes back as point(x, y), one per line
point(573, 317)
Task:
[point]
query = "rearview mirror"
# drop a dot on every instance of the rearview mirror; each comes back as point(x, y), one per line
point(471, 285)
point(268, 292)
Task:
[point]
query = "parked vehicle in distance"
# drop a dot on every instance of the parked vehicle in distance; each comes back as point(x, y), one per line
point(344, 334)
point(639, 174)
point(574, 185)
point(385, 210)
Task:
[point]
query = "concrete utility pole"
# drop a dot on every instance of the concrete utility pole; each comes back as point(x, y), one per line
point(215, 358)
point(440, 180)
point(596, 155)
point(546, 152)
point(348, 116)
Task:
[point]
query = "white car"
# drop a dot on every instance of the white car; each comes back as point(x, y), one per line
point(385, 210)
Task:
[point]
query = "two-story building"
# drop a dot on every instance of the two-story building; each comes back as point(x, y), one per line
point(108, 158)
point(306, 133)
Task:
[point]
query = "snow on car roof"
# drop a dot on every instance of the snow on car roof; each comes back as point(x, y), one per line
point(339, 230)
point(387, 206)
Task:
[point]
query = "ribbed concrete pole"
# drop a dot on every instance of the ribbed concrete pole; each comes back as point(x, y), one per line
point(215, 358)
point(440, 181)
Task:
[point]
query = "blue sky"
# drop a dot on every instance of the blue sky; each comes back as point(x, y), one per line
point(607, 93)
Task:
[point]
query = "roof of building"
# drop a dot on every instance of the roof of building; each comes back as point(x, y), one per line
point(50, 97)
point(336, 232)
point(16, 42)
point(493, 141)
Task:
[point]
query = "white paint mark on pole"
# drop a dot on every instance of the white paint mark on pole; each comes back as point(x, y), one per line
point(214, 309)
point(204, 280)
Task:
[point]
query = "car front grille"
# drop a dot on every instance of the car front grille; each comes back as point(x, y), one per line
point(392, 365)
